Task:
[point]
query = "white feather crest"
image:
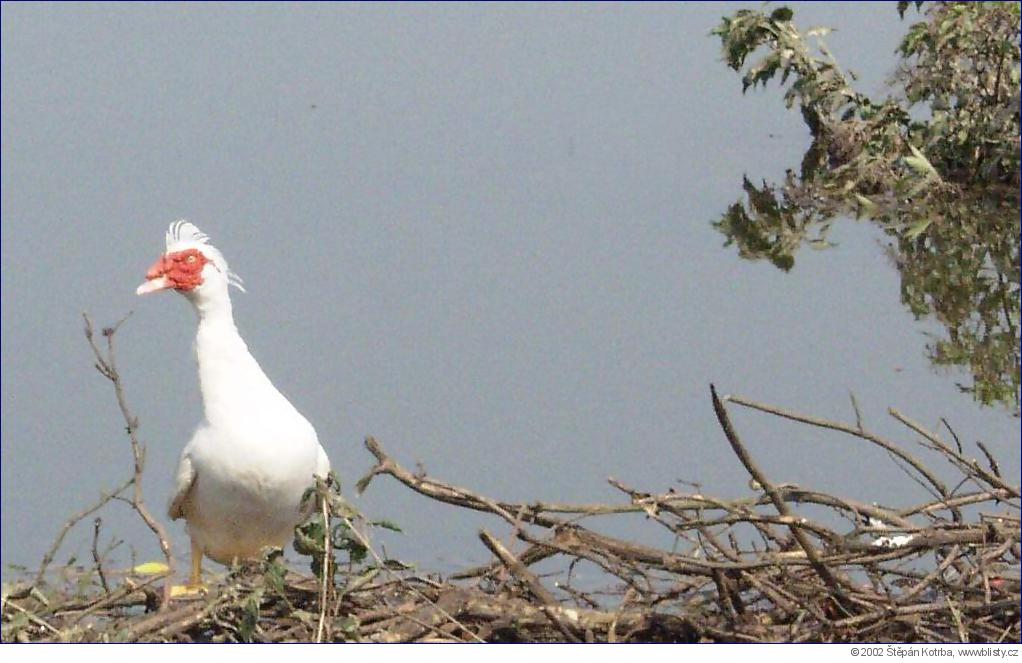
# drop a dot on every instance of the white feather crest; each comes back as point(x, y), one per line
point(183, 235)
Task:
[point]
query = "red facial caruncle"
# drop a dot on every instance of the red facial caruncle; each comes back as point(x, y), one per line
point(180, 270)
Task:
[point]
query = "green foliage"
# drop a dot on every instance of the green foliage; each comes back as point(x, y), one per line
point(964, 63)
point(275, 573)
point(944, 188)
point(311, 537)
point(386, 524)
point(963, 268)
point(249, 621)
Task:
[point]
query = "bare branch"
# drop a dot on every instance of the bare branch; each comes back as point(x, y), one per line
point(107, 366)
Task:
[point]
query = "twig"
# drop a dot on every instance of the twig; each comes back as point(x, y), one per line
point(95, 554)
point(958, 443)
point(782, 507)
point(118, 594)
point(71, 522)
point(941, 446)
point(326, 571)
point(994, 467)
point(383, 565)
point(550, 606)
point(833, 425)
point(858, 413)
point(32, 617)
point(107, 367)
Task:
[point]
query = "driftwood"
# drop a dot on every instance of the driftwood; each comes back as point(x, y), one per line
point(754, 569)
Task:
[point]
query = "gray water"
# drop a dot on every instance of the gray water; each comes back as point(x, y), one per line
point(479, 233)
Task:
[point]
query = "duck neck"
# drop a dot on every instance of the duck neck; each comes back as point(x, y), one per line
point(231, 381)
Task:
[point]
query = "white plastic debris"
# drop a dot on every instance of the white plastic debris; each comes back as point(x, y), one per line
point(893, 541)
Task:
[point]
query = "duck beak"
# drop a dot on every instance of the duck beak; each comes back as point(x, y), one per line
point(154, 285)
point(156, 279)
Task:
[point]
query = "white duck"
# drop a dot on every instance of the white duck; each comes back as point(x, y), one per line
point(242, 476)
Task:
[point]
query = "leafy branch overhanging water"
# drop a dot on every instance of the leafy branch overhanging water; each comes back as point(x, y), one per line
point(935, 165)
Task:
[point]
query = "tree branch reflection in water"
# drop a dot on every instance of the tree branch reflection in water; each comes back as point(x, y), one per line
point(945, 190)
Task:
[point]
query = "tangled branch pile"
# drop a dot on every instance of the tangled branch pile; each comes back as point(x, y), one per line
point(749, 570)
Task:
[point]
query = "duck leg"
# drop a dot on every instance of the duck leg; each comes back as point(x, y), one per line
point(194, 586)
point(196, 577)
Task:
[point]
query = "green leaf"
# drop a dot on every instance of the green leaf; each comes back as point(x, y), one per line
point(250, 616)
point(867, 204)
point(341, 507)
point(386, 524)
point(17, 622)
point(921, 166)
point(305, 617)
point(397, 565)
point(362, 580)
point(349, 627)
point(919, 163)
point(309, 538)
point(918, 228)
point(274, 576)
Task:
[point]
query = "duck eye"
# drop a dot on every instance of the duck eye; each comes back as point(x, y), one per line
point(190, 259)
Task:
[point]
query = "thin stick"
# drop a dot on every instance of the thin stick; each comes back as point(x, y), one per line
point(550, 604)
point(121, 592)
point(958, 443)
point(71, 522)
point(107, 367)
point(994, 467)
point(32, 617)
point(326, 570)
point(779, 503)
point(858, 413)
point(383, 565)
point(837, 426)
point(95, 553)
point(991, 479)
